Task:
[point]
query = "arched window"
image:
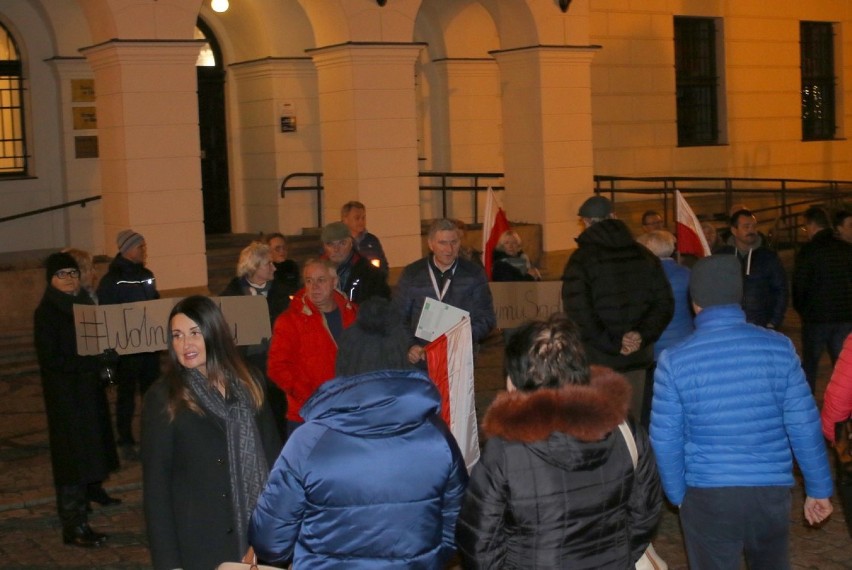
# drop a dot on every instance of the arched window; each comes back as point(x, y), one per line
point(13, 148)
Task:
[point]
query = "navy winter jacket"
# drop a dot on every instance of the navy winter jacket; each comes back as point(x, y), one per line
point(729, 404)
point(764, 285)
point(373, 479)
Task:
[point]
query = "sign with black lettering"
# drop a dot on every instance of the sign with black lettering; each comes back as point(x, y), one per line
point(143, 327)
point(519, 301)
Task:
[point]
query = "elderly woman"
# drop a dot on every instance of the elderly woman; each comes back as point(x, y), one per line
point(556, 485)
point(82, 445)
point(256, 276)
point(510, 262)
point(88, 277)
point(208, 440)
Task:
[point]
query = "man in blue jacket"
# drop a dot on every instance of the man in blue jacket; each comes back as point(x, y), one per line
point(731, 410)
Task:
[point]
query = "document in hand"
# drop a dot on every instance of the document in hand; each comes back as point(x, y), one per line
point(436, 318)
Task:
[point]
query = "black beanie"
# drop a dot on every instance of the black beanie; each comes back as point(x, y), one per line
point(376, 341)
point(716, 280)
point(57, 261)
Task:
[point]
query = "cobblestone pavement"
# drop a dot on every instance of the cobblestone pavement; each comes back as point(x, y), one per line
point(30, 532)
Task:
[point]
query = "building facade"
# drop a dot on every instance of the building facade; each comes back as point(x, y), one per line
point(186, 120)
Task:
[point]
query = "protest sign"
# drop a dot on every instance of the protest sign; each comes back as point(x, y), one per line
point(130, 328)
point(519, 301)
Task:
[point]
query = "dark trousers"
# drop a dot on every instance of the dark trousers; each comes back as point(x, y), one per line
point(721, 524)
point(819, 336)
point(133, 370)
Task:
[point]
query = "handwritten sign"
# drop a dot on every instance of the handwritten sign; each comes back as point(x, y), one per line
point(519, 301)
point(130, 328)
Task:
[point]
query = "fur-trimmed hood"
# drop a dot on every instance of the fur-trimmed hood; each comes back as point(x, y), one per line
point(569, 425)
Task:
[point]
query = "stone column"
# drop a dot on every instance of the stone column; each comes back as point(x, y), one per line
point(369, 139)
point(147, 109)
point(547, 133)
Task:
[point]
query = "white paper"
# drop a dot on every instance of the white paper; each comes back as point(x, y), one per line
point(436, 318)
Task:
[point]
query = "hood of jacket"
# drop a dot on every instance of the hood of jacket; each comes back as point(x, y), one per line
point(609, 233)
point(566, 427)
point(301, 303)
point(374, 404)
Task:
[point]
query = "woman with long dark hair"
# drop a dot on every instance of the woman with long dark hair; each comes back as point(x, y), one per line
point(556, 486)
point(208, 440)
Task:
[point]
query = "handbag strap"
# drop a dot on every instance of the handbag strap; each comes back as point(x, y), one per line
point(630, 441)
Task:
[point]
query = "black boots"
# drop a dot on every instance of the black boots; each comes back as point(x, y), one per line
point(71, 503)
point(82, 535)
point(96, 494)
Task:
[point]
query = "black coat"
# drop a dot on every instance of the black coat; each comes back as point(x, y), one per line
point(126, 282)
point(186, 484)
point(555, 487)
point(287, 281)
point(363, 280)
point(764, 284)
point(613, 285)
point(822, 280)
point(82, 445)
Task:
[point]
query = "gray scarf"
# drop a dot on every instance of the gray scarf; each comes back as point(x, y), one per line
point(247, 466)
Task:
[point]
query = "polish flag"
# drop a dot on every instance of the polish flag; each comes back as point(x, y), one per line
point(493, 225)
point(450, 361)
point(690, 236)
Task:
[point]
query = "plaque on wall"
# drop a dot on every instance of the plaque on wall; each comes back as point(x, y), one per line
point(85, 118)
point(82, 90)
point(86, 147)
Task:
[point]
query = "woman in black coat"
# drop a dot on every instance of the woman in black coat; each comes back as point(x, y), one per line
point(556, 487)
point(208, 442)
point(82, 447)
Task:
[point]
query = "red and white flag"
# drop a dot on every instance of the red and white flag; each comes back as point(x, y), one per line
point(450, 361)
point(493, 225)
point(690, 236)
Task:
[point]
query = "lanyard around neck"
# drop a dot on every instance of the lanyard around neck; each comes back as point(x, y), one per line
point(440, 293)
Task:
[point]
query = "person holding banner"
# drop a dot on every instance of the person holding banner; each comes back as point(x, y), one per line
point(374, 479)
point(446, 277)
point(208, 439)
point(82, 447)
point(556, 485)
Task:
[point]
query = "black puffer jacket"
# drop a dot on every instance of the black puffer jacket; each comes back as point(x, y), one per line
point(555, 487)
point(613, 285)
point(126, 282)
point(822, 280)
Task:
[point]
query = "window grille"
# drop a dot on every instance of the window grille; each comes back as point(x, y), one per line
point(818, 81)
point(696, 81)
point(13, 148)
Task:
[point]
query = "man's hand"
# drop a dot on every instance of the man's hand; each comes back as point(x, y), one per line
point(817, 510)
point(416, 353)
point(631, 342)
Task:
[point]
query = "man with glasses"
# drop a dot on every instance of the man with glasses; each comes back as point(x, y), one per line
point(357, 277)
point(129, 281)
point(303, 349)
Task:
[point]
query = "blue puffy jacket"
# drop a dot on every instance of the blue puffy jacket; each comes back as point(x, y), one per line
point(729, 403)
point(373, 479)
point(681, 325)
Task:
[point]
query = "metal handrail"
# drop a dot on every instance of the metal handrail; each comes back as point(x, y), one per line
point(316, 187)
point(446, 185)
point(790, 200)
point(82, 203)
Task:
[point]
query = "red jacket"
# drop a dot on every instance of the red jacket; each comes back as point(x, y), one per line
point(303, 352)
point(837, 404)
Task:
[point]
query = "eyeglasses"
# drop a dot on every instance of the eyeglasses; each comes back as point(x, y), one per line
point(67, 274)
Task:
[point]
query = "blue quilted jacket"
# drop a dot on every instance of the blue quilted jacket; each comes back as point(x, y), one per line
point(730, 402)
point(373, 479)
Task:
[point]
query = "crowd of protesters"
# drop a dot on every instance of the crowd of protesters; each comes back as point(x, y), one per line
point(370, 475)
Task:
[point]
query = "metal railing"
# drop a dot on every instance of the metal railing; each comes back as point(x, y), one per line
point(315, 187)
point(82, 203)
point(787, 198)
point(447, 182)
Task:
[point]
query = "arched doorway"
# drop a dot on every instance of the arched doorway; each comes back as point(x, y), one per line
point(213, 134)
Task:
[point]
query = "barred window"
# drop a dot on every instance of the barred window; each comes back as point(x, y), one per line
point(13, 148)
point(697, 81)
point(818, 80)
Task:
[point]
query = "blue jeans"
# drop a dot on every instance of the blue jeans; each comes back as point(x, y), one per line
point(722, 523)
point(815, 338)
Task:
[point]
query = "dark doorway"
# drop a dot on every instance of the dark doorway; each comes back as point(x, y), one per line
point(213, 134)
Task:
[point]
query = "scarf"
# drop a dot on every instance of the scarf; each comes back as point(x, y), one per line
point(247, 466)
